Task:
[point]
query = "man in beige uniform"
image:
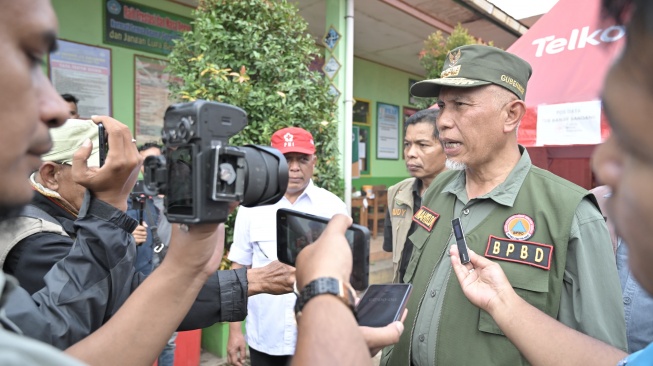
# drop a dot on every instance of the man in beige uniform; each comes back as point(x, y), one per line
point(424, 160)
point(545, 232)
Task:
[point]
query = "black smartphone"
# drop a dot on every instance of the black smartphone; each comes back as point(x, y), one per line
point(383, 304)
point(104, 143)
point(295, 230)
point(460, 240)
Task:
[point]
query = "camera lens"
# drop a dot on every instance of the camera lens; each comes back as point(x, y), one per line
point(266, 177)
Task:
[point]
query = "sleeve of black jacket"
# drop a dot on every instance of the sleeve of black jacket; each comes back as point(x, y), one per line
point(222, 299)
point(81, 289)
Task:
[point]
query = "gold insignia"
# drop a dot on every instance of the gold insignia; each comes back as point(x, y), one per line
point(451, 71)
point(453, 58)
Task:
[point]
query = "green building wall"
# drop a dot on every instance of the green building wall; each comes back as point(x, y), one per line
point(378, 83)
point(82, 21)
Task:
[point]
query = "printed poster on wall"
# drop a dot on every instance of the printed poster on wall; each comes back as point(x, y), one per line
point(152, 97)
point(387, 131)
point(85, 72)
point(141, 27)
point(569, 123)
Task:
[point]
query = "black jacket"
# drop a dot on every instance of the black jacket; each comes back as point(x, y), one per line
point(77, 286)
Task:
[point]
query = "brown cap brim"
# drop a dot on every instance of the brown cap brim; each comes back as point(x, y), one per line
point(431, 88)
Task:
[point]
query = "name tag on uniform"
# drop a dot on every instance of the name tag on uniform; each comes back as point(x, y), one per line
point(399, 212)
point(525, 252)
point(425, 218)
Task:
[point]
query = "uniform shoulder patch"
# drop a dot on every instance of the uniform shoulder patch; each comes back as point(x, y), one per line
point(425, 218)
point(519, 251)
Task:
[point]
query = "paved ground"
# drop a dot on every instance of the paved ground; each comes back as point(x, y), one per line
point(380, 272)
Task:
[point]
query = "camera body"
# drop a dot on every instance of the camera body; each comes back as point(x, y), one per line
point(200, 174)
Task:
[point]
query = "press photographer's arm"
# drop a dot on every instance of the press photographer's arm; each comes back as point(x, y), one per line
point(326, 324)
point(192, 257)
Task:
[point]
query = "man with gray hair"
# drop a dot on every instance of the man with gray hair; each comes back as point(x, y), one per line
point(545, 232)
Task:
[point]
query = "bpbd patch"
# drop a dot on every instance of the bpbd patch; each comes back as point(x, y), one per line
point(425, 218)
point(518, 251)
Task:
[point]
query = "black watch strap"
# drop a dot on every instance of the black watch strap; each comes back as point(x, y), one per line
point(321, 286)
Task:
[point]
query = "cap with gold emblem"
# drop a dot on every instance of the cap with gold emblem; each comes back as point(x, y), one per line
point(477, 65)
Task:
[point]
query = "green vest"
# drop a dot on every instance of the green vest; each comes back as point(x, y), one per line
point(400, 206)
point(466, 334)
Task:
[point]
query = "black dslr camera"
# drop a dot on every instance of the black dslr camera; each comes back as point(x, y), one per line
point(200, 174)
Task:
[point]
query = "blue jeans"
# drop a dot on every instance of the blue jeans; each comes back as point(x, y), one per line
point(167, 356)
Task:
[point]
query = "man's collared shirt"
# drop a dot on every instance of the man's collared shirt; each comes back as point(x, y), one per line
point(271, 326)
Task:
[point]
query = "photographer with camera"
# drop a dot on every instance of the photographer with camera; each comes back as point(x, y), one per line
point(28, 31)
point(45, 234)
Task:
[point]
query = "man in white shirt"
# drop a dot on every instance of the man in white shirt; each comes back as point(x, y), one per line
point(271, 328)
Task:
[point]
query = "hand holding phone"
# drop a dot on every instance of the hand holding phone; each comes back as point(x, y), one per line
point(460, 240)
point(383, 304)
point(296, 230)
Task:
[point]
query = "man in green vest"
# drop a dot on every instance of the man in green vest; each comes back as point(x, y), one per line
point(546, 233)
point(424, 160)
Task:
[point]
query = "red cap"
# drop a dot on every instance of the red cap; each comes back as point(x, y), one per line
point(293, 139)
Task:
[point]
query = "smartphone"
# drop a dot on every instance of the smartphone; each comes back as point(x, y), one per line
point(383, 304)
point(296, 230)
point(104, 143)
point(460, 240)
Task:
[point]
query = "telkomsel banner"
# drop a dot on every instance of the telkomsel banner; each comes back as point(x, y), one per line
point(141, 27)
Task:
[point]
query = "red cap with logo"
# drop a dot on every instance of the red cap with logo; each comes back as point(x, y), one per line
point(293, 139)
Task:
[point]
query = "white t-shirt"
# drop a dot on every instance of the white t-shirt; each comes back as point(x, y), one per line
point(271, 326)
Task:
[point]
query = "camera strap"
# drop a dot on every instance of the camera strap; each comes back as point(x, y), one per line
point(158, 245)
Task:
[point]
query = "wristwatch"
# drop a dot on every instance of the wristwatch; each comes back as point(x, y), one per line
point(321, 286)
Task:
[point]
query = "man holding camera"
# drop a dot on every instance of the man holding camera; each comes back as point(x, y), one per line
point(45, 233)
point(271, 327)
point(29, 108)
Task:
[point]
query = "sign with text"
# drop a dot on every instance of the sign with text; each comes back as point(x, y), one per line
point(152, 97)
point(569, 123)
point(387, 131)
point(85, 72)
point(141, 27)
